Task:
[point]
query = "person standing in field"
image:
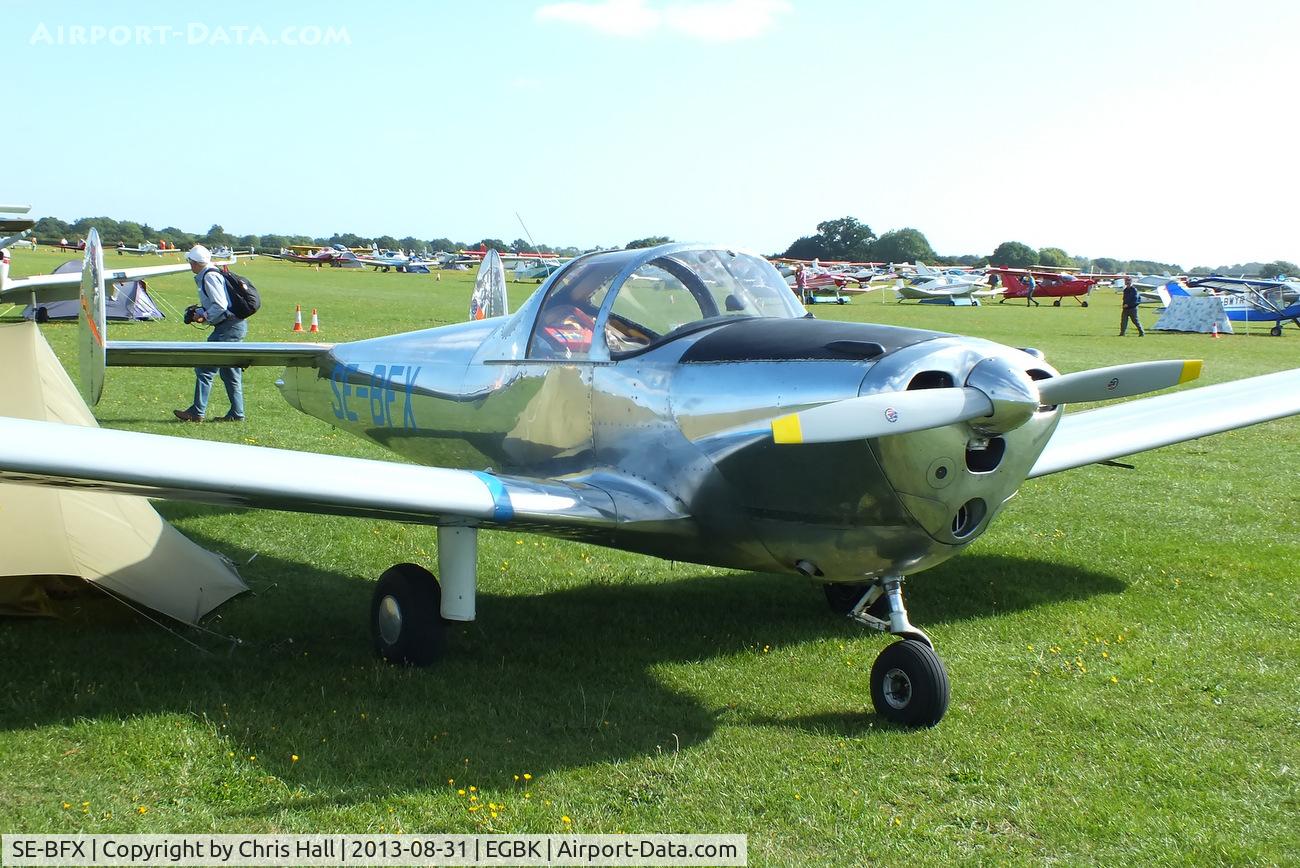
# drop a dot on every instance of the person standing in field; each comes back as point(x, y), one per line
point(214, 309)
point(1030, 286)
point(801, 283)
point(1130, 309)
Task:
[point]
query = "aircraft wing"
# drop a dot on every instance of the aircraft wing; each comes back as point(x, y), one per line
point(180, 468)
point(65, 287)
point(1149, 423)
point(189, 354)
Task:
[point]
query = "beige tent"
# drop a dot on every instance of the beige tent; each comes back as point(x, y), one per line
point(116, 541)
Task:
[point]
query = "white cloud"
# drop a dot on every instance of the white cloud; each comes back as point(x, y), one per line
point(726, 21)
point(715, 21)
point(612, 17)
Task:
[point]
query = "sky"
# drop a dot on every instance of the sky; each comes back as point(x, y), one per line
point(1153, 130)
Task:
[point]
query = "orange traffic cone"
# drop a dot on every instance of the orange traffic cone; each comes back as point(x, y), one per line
point(315, 323)
point(297, 317)
point(1214, 333)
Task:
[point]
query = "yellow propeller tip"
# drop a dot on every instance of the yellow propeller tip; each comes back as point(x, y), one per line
point(1191, 370)
point(786, 429)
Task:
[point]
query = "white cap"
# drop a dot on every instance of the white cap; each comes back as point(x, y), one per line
point(198, 253)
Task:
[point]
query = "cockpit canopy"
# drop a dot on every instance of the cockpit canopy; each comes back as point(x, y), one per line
point(615, 304)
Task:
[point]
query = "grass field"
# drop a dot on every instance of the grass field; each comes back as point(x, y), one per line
point(1123, 647)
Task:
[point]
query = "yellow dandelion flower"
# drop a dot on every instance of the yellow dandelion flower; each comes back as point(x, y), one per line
point(460, 792)
point(797, 797)
point(527, 776)
point(473, 808)
point(1030, 647)
point(293, 758)
point(494, 814)
point(1106, 654)
point(85, 804)
point(1114, 680)
point(142, 810)
point(451, 782)
point(566, 819)
point(67, 805)
point(473, 789)
point(473, 798)
point(528, 795)
point(252, 757)
point(516, 777)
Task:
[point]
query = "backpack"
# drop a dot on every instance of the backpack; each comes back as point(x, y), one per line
point(244, 300)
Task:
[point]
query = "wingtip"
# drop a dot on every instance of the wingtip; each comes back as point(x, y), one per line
point(786, 429)
point(1191, 370)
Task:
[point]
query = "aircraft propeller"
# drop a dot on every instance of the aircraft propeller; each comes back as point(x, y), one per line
point(996, 398)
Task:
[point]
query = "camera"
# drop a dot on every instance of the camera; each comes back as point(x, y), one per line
point(194, 314)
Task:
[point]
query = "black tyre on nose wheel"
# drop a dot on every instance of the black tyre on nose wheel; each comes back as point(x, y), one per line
point(405, 616)
point(909, 685)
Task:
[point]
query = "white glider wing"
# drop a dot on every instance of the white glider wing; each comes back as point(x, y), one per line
point(1149, 423)
point(178, 468)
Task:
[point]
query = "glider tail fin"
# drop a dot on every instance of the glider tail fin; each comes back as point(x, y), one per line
point(91, 335)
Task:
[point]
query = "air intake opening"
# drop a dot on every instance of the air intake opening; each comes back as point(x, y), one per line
point(968, 517)
point(986, 460)
point(931, 380)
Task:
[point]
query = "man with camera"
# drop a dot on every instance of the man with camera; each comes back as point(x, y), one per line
point(213, 309)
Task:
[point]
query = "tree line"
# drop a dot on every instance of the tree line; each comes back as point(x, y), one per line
point(849, 239)
point(49, 230)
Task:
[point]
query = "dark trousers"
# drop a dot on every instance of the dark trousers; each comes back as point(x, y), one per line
point(1130, 313)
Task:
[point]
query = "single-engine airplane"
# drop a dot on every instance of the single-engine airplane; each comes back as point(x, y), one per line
point(1255, 299)
point(675, 401)
point(1049, 284)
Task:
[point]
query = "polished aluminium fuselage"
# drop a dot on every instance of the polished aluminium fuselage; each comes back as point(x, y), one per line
point(673, 447)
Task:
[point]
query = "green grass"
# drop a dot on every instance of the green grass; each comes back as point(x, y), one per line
point(1123, 648)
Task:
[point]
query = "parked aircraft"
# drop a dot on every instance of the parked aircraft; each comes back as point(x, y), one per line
point(675, 401)
point(934, 286)
point(1254, 299)
point(1050, 284)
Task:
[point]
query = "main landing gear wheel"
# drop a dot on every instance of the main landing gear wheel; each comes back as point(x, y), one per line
point(405, 616)
point(1056, 303)
point(1276, 331)
point(909, 685)
point(1084, 303)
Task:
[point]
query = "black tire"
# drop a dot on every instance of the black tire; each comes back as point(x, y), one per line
point(1084, 303)
point(1276, 331)
point(1056, 303)
point(405, 616)
point(843, 597)
point(909, 685)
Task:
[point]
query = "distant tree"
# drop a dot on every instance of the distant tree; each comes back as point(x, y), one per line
point(1201, 270)
point(901, 245)
point(1013, 254)
point(387, 242)
point(179, 237)
point(444, 245)
point(808, 247)
point(1147, 266)
point(566, 251)
point(842, 238)
point(1107, 265)
point(968, 259)
point(410, 243)
point(50, 230)
point(1281, 266)
point(272, 242)
point(130, 233)
point(217, 236)
point(651, 241)
point(1055, 257)
point(244, 242)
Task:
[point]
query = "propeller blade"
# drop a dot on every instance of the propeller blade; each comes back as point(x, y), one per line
point(878, 415)
point(1118, 381)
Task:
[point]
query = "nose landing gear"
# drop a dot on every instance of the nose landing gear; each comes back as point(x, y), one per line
point(909, 685)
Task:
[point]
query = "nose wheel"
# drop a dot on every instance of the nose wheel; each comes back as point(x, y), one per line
point(909, 685)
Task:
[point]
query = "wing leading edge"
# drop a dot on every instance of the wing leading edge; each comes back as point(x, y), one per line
point(1149, 423)
point(177, 468)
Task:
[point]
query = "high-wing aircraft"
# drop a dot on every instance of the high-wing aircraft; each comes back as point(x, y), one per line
point(1050, 284)
point(145, 249)
point(1254, 299)
point(676, 401)
point(337, 256)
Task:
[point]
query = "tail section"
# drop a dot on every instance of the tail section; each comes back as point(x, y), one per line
point(489, 298)
point(90, 321)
